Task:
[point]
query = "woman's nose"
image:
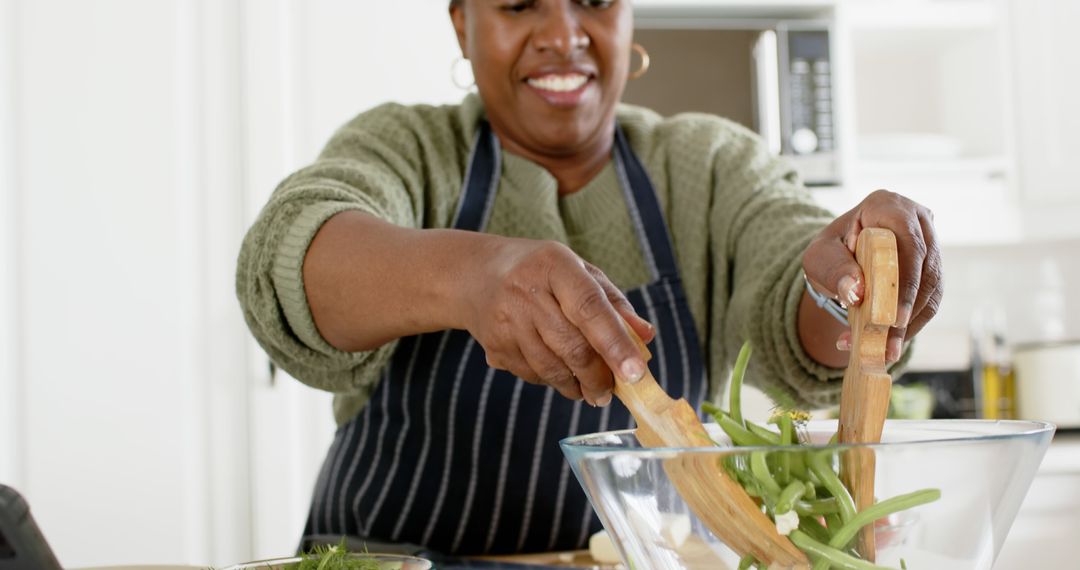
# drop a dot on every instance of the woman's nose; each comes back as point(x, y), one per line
point(559, 30)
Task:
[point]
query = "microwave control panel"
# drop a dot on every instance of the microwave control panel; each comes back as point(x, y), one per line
point(807, 102)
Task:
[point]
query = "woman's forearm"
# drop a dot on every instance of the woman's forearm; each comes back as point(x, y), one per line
point(368, 281)
point(818, 331)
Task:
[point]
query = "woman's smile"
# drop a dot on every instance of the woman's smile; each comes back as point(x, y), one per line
point(563, 89)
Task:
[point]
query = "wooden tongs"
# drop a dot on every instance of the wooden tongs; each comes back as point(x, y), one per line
point(864, 397)
point(715, 499)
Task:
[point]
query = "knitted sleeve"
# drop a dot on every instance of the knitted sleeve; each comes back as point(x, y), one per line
point(761, 220)
point(395, 162)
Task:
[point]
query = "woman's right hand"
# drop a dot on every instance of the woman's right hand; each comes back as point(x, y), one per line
point(547, 316)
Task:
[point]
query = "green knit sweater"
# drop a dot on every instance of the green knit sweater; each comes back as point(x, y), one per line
point(738, 217)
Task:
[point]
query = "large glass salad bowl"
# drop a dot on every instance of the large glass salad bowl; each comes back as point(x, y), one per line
point(963, 481)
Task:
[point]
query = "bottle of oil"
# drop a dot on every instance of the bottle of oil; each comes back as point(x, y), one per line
point(995, 380)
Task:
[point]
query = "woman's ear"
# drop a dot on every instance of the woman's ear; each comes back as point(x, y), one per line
point(457, 17)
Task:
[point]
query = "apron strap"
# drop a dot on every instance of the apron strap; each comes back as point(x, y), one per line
point(481, 182)
point(645, 210)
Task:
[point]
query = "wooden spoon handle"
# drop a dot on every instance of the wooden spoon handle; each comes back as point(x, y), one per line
point(864, 398)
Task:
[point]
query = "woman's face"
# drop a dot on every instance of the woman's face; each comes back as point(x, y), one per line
point(549, 71)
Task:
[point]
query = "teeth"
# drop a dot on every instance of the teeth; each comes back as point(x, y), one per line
point(560, 83)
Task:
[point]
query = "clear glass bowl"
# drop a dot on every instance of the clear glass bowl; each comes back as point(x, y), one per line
point(982, 468)
point(385, 561)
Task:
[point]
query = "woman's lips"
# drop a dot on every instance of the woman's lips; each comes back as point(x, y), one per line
point(561, 89)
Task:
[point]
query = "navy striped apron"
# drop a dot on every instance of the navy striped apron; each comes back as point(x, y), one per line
point(460, 458)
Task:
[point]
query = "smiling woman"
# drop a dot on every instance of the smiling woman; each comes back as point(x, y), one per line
point(461, 278)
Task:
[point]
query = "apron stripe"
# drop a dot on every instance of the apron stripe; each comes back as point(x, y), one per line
point(376, 462)
point(346, 484)
point(564, 475)
point(437, 509)
point(477, 432)
point(398, 447)
point(324, 478)
point(684, 358)
point(421, 464)
point(504, 462)
point(530, 497)
point(635, 217)
point(661, 332)
point(330, 490)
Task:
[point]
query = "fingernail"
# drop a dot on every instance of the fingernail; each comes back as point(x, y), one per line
point(892, 349)
point(846, 288)
point(604, 400)
point(843, 343)
point(632, 370)
point(903, 316)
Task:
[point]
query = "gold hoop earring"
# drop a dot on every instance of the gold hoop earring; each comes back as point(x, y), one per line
point(644, 61)
point(455, 75)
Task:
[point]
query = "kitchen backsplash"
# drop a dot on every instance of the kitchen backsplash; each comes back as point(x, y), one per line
point(1022, 289)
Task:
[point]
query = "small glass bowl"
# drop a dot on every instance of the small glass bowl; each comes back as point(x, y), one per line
point(385, 561)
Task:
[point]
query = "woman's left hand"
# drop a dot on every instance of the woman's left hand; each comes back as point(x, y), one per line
point(829, 263)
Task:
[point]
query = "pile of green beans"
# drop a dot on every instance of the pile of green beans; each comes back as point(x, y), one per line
point(801, 481)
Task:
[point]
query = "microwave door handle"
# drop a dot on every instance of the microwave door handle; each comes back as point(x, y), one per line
point(766, 86)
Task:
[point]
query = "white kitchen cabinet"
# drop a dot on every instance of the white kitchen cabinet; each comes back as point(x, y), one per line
point(121, 222)
point(1048, 127)
point(1044, 534)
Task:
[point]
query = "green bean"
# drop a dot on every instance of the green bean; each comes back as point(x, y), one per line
point(830, 555)
point(761, 472)
point(881, 510)
point(738, 434)
point(711, 409)
point(833, 521)
point(793, 492)
point(747, 561)
point(815, 529)
point(785, 439)
point(831, 482)
point(764, 433)
point(817, 507)
point(735, 399)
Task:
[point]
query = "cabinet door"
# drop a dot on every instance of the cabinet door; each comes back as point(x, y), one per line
point(1047, 88)
point(124, 210)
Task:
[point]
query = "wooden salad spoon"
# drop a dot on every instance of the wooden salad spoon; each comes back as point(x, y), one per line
point(864, 396)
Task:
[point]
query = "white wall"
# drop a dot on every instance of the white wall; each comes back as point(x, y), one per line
point(138, 141)
point(10, 397)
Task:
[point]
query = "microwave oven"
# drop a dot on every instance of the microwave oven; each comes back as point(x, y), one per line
point(775, 77)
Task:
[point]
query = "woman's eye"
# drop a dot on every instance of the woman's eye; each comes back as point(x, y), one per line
point(599, 4)
point(518, 7)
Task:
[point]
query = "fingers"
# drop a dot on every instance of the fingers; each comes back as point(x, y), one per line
point(554, 319)
point(931, 287)
point(587, 306)
point(549, 368)
point(575, 353)
point(829, 260)
point(832, 270)
point(894, 212)
point(641, 327)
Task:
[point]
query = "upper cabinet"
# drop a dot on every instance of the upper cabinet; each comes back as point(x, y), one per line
point(933, 112)
point(1047, 89)
point(960, 105)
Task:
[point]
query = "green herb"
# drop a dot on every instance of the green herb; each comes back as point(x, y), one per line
point(805, 482)
point(336, 558)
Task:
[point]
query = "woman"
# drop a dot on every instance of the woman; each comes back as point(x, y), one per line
point(434, 258)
